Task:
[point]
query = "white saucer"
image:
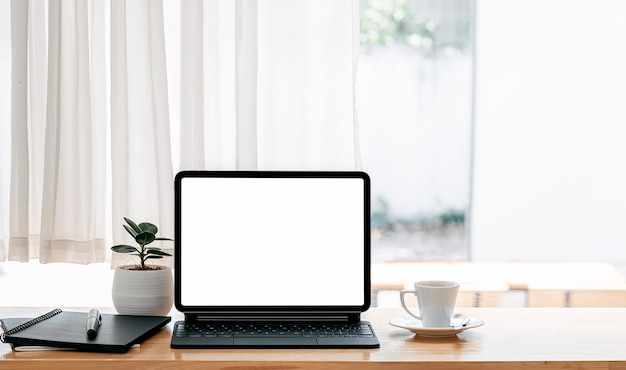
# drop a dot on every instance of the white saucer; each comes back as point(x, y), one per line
point(416, 327)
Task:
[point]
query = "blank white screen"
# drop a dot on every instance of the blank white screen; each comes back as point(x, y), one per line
point(272, 241)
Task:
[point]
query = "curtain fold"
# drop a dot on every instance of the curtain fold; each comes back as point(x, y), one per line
point(262, 85)
point(246, 63)
point(5, 123)
point(71, 228)
point(192, 85)
point(142, 174)
point(19, 184)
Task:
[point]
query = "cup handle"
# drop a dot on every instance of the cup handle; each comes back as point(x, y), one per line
point(402, 293)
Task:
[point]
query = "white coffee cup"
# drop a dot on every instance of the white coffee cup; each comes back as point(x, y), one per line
point(435, 299)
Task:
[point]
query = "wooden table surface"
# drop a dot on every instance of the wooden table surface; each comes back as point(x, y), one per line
point(512, 338)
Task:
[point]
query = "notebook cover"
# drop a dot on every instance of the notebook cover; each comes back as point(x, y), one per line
point(69, 330)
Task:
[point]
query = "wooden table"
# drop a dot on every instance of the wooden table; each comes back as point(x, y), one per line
point(515, 338)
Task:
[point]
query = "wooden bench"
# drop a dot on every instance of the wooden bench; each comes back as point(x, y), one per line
point(493, 284)
point(577, 298)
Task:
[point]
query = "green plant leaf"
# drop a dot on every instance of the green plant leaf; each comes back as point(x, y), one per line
point(133, 225)
point(148, 228)
point(153, 257)
point(153, 251)
point(130, 230)
point(144, 238)
point(122, 248)
point(168, 239)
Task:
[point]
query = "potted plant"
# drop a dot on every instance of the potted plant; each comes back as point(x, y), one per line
point(143, 289)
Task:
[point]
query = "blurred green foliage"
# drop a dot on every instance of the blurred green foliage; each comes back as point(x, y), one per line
point(392, 22)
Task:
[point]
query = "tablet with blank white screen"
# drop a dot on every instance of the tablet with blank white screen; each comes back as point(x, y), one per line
point(272, 240)
point(271, 259)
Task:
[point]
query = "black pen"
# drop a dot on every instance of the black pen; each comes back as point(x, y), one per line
point(94, 320)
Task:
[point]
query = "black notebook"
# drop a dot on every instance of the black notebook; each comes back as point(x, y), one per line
point(68, 330)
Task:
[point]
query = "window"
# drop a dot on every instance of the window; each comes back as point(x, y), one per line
point(414, 104)
point(493, 131)
point(500, 117)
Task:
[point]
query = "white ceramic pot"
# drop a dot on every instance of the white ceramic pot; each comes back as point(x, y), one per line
point(148, 293)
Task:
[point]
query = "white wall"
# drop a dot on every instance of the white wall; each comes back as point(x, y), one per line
point(550, 139)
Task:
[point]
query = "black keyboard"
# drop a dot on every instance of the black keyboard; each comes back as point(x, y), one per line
point(277, 330)
point(252, 335)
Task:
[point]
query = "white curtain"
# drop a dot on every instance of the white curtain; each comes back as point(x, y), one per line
point(243, 84)
point(269, 84)
point(142, 186)
point(72, 213)
point(57, 151)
